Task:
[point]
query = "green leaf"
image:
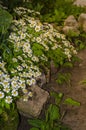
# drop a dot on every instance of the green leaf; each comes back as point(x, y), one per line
point(34, 128)
point(2, 104)
point(68, 64)
point(5, 20)
point(81, 46)
point(37, 49)
point(47, 127)
point(71, 101)
point(63, 127)
point(58, 97)
point(42, 127)
point(7, 106)
point(35, 122)
point(54, 112)
point(83, 82)
point(1, 111)
point(56, 128)
point(63, 77)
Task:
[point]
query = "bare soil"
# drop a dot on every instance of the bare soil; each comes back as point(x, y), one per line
point(75, 115)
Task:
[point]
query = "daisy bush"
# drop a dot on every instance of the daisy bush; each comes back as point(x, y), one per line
point(31, 46)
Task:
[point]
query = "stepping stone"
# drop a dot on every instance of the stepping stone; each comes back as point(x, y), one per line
point(34, 106)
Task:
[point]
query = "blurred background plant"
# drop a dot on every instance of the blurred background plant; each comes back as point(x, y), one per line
point(54, 11)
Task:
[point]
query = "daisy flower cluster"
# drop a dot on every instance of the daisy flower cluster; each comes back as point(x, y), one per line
point(13, 86)
point(33, 43)
point(38, 38)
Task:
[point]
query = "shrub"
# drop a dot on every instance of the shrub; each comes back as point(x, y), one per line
point(29, 49)
point(55, 11)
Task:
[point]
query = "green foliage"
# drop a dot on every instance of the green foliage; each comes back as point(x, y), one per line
point(51, 122)
point(73, 34)
point(11, 4)
point(30, 48)
point(34, 128)
point(38, 49)
point(5, 20)
point(54, 10)
point(46, 5)
point(58, 97)
point(63, 78)
point(53, 116)
point(9, 120)
point(58, 56)
point(79, 40)
point(82, 82)
point(68, 64)
point(53, 113)
point(70, 101)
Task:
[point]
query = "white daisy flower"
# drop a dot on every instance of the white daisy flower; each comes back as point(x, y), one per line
point(66, 43)
point(38, 39)
point(6, 89)
point(14, 93)
point(1, 65)
point(25, 49)
point(1, 73)
point(15, 78)
point(33, 24)
point(37, 74)
point(34, 58)
point(5, 83)
point(29, 75)
point(14, 84)
point(37, 28)
point(14, 60)
point(30, 94)
point(8, 99)
point(13, 71)
point(25, 91)
point(20, 58)
point(20, 68)
point(75, 52)
point(25, 98)
point(22, 85)
point(22, 80)
point(1, 95)
point(33, 81)
point(29, 82)
point(29, 54)
point(6, 77)
point(24, 65)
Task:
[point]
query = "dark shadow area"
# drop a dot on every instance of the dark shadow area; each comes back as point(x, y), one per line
point(23, 123)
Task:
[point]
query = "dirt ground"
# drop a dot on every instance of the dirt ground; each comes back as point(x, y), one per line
point(75, 116)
